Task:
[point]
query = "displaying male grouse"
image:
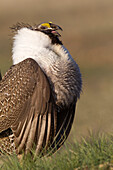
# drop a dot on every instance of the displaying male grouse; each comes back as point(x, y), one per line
point(38, 94)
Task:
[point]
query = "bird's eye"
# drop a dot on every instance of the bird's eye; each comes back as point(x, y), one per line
point(43, 27)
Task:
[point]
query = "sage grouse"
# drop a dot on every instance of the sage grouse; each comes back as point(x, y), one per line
point(38, 94)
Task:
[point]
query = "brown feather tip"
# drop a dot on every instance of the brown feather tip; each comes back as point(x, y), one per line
point(19, 25)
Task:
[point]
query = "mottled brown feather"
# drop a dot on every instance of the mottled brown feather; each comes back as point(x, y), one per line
point(24, 98)
point(28, 108)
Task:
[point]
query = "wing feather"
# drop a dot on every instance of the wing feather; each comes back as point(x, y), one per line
point(24, 104)
point(63, 131)
point(32, 133)
point(39, 144)
point(48, 129)
point(28, 108)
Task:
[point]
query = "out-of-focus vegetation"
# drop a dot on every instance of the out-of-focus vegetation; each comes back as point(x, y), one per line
point(88, 35)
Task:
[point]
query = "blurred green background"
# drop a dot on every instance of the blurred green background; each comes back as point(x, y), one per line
point(88, 35)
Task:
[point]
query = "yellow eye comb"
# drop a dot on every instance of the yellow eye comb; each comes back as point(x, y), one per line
point(46, 24)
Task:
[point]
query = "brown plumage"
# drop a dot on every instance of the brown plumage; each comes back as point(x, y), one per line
point(27, 106)
point(32, 114)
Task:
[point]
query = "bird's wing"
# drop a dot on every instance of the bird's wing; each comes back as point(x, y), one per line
point(27, 106)
point(65, 118)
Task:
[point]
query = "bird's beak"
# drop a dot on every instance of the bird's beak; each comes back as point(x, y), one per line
point(54, 29)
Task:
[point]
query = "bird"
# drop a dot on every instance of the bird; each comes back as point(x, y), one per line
point(39, 92)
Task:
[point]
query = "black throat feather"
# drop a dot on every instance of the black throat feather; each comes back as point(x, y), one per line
point(55, 39)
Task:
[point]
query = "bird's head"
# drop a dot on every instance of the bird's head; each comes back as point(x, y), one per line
point(34, 41)
point(47, 28)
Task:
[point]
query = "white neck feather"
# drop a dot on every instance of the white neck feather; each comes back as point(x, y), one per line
point(38, 46)
point(55, 60)
point(27, 44)
point(35, 45)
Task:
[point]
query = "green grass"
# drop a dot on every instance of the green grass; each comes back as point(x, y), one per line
point(93, 152)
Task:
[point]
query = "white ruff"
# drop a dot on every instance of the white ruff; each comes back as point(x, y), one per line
point(37, 45)
point(54, 60)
